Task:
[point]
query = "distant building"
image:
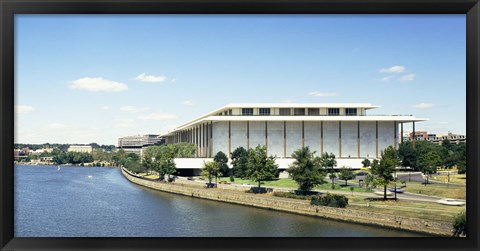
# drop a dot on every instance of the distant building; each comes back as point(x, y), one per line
point(453, 138)
point(419, 135)
point(80, 149)
point(43, 150)
point(137, 143)
point(436, 138)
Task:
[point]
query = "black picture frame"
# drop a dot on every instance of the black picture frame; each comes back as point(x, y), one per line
point(8, 8)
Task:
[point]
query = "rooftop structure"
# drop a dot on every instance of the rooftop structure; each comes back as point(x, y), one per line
point(136, 143)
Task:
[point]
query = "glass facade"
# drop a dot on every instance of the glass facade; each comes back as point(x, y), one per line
point(264, 111)
point(247, 111)
point(285, 112)
point(313, 111)
point(333, 111)
point(299, 111)
point(351, 111)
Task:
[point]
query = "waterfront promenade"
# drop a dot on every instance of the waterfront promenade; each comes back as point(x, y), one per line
point(237, 195)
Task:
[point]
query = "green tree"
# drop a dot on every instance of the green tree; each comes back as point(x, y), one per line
point(383, 170)
point(261, 167)
point(183, 150)
point(222, 161)
point(346, 174)
point(119, 157)
point(366, 162)
point(100, 155)
point(133, 166)
point(306, 170)
point(147, 164)
point(168, 166)
point(459, 225)
point(428, 164)
point(328, 161)
point(461, 158)
point(369, 180)
point(166, 156)
point(209, 170)
point(239, 162)
point(408, 155)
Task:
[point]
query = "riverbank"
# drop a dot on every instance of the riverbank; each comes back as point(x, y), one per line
point(297, 207)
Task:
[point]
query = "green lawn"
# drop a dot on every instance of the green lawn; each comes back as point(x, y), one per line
point(440, 190)
point(289, 183)
point(150, 176)
point(415, 209)
point(454, 178)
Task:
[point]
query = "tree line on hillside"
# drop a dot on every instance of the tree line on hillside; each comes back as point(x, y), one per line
point(158, 159)
point(427, 156)
point(61, 147)
point(72, 158)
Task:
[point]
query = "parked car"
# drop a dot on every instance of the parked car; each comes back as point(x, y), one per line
point(381, 193)
point(361, 174)
point(190, 178)
point(399, 189)
point(210, 185)
point(451, 202)
point(246, 185)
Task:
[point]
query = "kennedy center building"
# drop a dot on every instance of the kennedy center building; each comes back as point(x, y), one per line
point(342, 129)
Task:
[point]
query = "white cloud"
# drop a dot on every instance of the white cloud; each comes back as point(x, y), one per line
point(323, 94)
point(105, 107)
point(55, 126)
point(423, 106)
point(133, 109)
point(123, 125)
point(158, 116)
point(22, 109)
point(408, 77)
point(125, 120)
point(97, 85)
point(187, 102)
point(393, 69)
point(150, 78)
point(386, 79)
point(174, 80)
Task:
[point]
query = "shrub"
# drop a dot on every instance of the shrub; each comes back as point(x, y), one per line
point(232, 179)
point(459, 225)
point(291, 195)
point(330, 200)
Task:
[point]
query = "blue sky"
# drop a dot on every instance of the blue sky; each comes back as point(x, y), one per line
point(85, 78)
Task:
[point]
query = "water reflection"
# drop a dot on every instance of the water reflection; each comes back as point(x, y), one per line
point(67, 203)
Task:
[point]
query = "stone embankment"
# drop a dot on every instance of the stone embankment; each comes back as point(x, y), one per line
point(297, 206)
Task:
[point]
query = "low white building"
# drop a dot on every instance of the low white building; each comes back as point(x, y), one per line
point(80, 149)
point(343, 129)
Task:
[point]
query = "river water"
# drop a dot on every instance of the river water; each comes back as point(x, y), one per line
point(100, 202)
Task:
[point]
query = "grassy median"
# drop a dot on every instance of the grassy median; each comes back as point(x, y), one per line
point(289, 183)
point(414, 209)
point(439, 190)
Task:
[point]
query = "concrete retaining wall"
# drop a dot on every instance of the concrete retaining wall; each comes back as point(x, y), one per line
point(298, 207)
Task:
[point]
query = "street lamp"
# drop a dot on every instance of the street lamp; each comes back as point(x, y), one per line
point(395, 183)
point(448, 178)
